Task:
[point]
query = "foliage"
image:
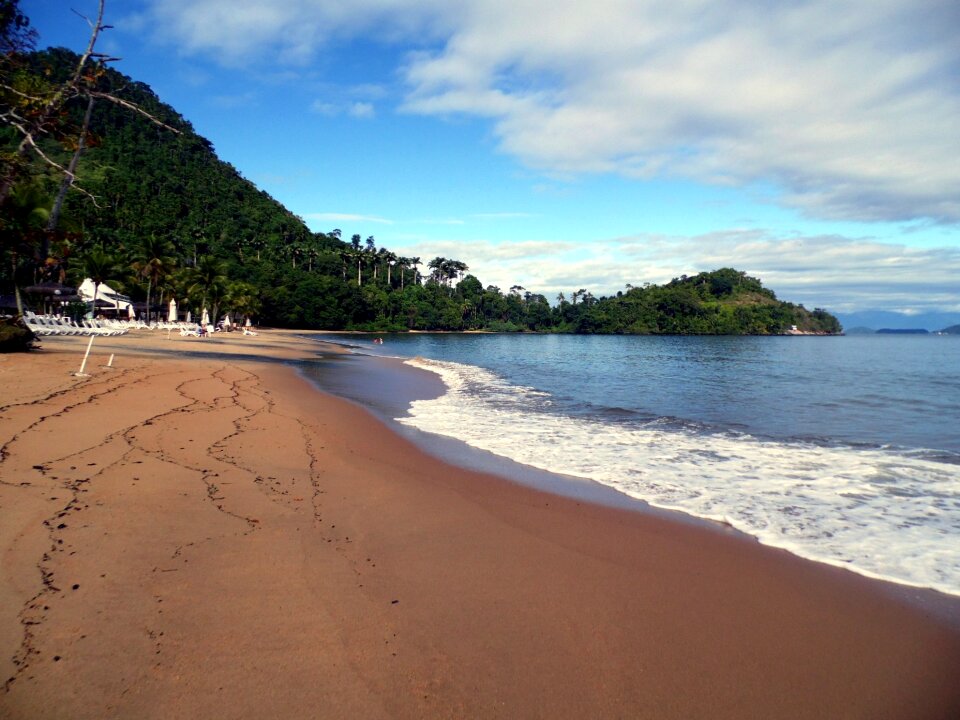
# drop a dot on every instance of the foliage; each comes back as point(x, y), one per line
point(16, 35)
point(15, 336)
point(180, 223)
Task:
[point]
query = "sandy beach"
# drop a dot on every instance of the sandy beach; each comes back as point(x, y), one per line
point(199, 532)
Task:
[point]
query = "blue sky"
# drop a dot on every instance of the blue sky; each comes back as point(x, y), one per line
point(559, 145)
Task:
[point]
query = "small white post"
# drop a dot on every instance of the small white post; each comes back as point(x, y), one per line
point(85, 356)
point(109, 364)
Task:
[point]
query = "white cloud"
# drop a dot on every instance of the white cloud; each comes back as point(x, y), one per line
point(848, 106)
point(347, 217)
point(230, 102)
point(354, 100)
point(441, 221)
point(322, 107)
point(838, 273)
point(503, 216)
point(361, 110)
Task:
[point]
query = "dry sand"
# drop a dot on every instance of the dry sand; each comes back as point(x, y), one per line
point(187, 537)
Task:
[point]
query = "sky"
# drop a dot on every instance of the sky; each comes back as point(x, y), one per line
point(561, 145)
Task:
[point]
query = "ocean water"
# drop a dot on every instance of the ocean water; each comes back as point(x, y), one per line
point(844, 450)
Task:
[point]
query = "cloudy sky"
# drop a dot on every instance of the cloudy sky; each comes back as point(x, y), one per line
point(567, 144)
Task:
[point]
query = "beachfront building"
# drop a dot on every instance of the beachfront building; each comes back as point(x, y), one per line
point(107, 300)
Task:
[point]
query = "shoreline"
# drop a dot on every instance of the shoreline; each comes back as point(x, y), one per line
point(244, 544)
point(458, 452)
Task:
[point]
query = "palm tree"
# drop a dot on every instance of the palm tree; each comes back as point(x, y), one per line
point(21, 228)
point(293, 247)
point(154, 262)
point(438, 265)
point(372, 254)
point(209, 278)
point(258, 243)
point(311, 250)
point(359, 256)
point(100, 266)
point(401, 264)
point(242, 299)
point(416, 263)
point(391, 260)
point(455, 270)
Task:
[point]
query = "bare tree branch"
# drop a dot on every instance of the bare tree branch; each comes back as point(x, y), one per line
point(135, 108)
point(69, 177)
point(78, 85)
point(24, 95)
point(52, 107)
point(36, 148)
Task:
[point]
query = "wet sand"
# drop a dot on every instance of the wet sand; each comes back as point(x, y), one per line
point(200, 533)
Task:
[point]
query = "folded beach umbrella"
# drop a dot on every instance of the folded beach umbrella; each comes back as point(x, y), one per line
point(172, 313)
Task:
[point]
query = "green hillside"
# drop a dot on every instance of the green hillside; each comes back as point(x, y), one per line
point(160, 216)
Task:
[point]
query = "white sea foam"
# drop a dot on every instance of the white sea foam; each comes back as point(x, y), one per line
point(876, 512)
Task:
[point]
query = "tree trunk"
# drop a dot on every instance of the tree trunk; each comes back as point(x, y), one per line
point(67, 181)
point(54, 105)
point(16, 287)
point(149, 288)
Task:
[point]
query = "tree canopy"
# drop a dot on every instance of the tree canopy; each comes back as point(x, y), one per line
point(163, 217)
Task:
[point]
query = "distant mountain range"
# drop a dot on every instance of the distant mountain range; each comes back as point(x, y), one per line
point(882, 319)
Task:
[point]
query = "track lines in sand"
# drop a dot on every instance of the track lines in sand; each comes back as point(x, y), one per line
point(77, 395)
point(56, 478)
point(279, 490)
point(30, 453)
point(57, 525)
point(316, 490)
point(89, 485)
point(197, 404)
point(35, 609)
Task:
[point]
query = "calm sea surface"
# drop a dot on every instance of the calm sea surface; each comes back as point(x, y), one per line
point(844, 450)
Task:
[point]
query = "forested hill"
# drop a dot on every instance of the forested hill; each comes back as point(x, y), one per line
point(149, 180)
point(170, 219)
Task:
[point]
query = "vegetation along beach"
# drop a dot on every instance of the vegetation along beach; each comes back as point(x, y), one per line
point(478, 361)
